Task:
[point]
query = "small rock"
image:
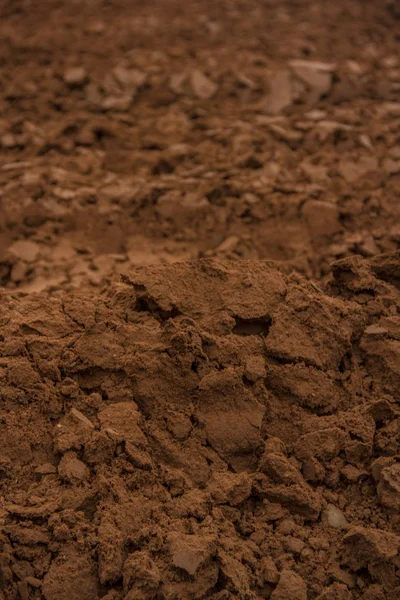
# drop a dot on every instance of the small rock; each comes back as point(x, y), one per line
point(315, 115)
point(334, 517)
point(119, 103)
point(290, 585)
point(365, 141)
point(202, 86)
point(75, 76)
point(76, 414)
point(25, 250)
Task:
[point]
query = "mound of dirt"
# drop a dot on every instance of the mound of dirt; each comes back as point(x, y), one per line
point(208, 429)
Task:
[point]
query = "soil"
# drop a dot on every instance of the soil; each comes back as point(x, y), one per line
point(200, 300)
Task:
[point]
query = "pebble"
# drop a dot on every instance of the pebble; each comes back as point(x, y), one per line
point(75, 76)
point(334, 517)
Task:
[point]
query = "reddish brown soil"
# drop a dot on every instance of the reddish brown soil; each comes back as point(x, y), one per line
point(200, 300)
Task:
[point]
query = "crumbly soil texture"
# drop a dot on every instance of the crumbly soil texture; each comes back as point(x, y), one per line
point(199, 300)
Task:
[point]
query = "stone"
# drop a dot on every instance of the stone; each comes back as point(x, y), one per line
point(334, 517)
point(75, 76)
point(77, 414)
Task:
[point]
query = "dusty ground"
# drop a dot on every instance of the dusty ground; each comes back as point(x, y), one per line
point(217, 428)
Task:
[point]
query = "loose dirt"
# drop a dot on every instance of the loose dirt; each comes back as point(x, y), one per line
point(200, 300)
